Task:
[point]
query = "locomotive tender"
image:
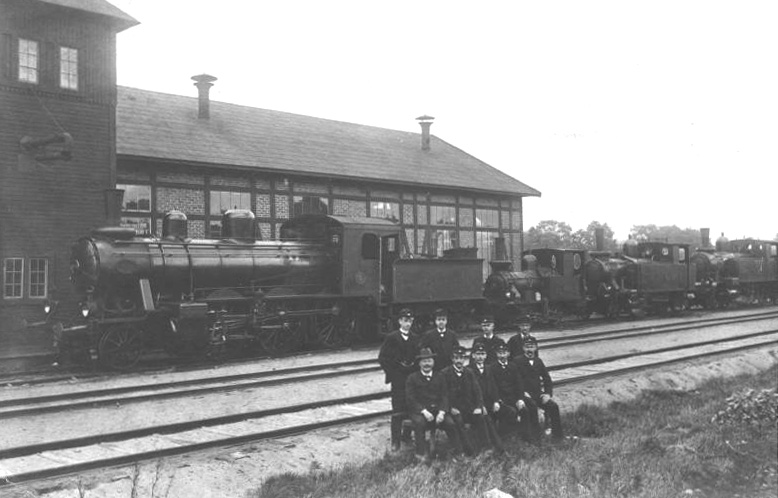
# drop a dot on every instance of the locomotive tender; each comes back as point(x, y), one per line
point(328, 280)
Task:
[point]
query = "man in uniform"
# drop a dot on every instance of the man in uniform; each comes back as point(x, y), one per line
point(488, 339)
point(485, 378)
point(441, 340)
point(428, 404)
point(515, 343)
point(511, 394)
point(397, 358)
point(537, 383)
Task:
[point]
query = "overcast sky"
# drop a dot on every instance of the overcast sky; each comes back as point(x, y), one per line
point(627, 113)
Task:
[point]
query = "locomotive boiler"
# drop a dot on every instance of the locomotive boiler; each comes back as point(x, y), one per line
point(327, 281)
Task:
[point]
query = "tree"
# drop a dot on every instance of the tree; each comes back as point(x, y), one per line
point(586, 239)
point(548, 233)
point(671, 234)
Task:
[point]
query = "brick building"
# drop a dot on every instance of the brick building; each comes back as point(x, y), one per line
point(200, 157)
point(57, 140)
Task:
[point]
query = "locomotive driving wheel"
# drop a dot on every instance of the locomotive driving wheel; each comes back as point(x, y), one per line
point(119, 347)
point(334, 330)
point(282, 332)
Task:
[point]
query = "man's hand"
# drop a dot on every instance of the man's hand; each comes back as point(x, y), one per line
point(427, 415)
point(496, 407)
point(544, 398)
point(454, 411)
point(441, 416)
point(520, 405)
point(478, 411)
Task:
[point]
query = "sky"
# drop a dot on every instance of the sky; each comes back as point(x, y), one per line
point(622, 112)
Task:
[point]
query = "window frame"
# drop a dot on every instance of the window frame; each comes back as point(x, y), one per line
point(44, 284)
point(72, 69)
point(128, 187)
point(19, 283)
point(23, 58)
point(385, 210)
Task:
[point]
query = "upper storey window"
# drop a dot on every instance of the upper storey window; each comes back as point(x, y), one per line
point(28, 61)
point(68, 68)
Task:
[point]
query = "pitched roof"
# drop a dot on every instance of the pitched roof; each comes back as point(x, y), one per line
point(121, 19)
point(162, 126)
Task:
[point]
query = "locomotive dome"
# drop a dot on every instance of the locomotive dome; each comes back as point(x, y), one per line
point(722, 243)
point(238, 224)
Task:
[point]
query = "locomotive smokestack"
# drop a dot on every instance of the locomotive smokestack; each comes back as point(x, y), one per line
point(425, 122)
point(599, 238)
point(705, 233)
point(114, 198)
point(204, 82)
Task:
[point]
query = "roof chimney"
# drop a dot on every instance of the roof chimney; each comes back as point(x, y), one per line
point(204, 82)
point(425, 122)
point(705, 234)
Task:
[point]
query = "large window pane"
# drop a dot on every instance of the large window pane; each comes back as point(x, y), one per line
point(136, 197)
point(309, 204)
point(223, 201)
point(486, 218)
point(388, 210)
point(13, 272)
point(443, 215)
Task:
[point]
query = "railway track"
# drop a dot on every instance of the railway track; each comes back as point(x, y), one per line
point(144, 390)
point(66, 456)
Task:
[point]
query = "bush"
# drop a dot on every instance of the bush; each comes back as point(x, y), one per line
point(750, 407)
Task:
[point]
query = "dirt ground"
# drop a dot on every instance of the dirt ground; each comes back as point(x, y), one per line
point(233, 472)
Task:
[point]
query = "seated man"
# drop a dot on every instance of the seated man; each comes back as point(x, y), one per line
point(511, 395)
point(538, 386)
point(428, 405)
point(464, 396)
point(488, 339)
point(483, 375)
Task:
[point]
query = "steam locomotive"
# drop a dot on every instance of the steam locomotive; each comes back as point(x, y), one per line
point(327, 281)
point(646, 277)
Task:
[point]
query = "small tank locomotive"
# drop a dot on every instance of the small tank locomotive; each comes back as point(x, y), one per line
point(327, 281)
point(743, 271)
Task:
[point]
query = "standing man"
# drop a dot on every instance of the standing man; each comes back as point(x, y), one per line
point(537, 383)
point(440, 340)
point(398, 360)
point(488, 339)
point(516, 343)
point(428, 404)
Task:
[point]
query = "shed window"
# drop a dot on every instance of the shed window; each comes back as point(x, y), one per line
point(370, 246)
point(28, 61)
point(388, 210)
point(136, 197)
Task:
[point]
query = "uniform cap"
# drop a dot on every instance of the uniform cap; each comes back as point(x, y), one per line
point(405, 312)
point(459, 350)
point(501, 347)
point(530, 339)
point(487, 319)
point(479, 348)
point(440, 312)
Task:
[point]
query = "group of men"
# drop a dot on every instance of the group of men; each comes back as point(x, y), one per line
point(500, 390)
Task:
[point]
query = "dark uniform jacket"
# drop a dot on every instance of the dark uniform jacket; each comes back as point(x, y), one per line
point(398, 357)
point(421, 393)
point(510, 385)
point(464, 392)
point(516, 346)
point(490, 345)
point(536, 379)
point(442, 346)
point(486, 383)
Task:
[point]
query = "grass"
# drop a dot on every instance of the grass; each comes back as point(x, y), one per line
point(663, 444)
